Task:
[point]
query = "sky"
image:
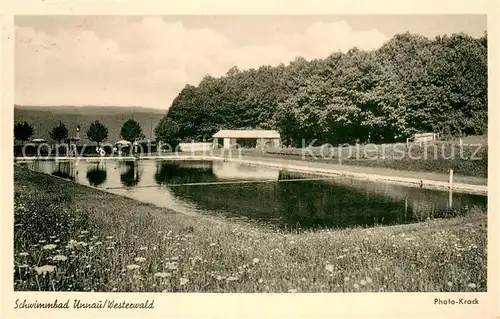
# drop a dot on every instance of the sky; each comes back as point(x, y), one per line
point(147, 60)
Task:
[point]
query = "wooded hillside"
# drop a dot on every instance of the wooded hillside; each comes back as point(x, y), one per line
point(410, 84)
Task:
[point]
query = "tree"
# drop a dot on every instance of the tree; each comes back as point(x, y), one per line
point(59, 133)
point(409, 84)
point(97, 132)
point(23, 131)
point(131, 131)
point(167, 131)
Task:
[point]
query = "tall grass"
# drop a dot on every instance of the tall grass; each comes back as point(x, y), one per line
point(68, 237)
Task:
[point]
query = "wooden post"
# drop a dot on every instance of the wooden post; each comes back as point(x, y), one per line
point(450, 192)
point(451, 179)
point(406, 208)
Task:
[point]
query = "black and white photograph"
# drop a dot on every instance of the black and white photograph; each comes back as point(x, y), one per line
point(278, 154)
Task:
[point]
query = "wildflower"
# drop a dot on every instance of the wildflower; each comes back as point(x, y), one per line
point(356, 286)
point(347, 278)
point(109, 237)
point(171, 265)
point(49, 247)
point(362, 282)
point(219, 277)
point(303, 279)
point(59, 258)
point(139, 259)
point(376, 269)
point(340, 257)
point(45, 269)
point(292, 290)
point(261, 280)
point(232, 278)
point(471, 285)
point(292, 242)
point(369, 280)
point(473, 246)
point(329, 268)
point(255, 260)
point(379, 251)
point(71, 243)
point(449, 283)
point(133, 266)
point(184, 281)
point(163, 274)
point(143, 248)
point(23, 254)
point(114, 289)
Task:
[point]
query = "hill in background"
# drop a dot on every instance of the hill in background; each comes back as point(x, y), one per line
point(44, 118)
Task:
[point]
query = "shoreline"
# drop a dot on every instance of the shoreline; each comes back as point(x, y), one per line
point(223, 256)
point(304, 167)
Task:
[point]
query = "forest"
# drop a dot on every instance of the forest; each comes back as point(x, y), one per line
point(410, 84)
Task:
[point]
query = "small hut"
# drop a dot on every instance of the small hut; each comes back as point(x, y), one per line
point(247, 138)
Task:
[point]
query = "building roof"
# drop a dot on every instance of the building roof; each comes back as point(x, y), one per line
point(123, 142)
point(247, 134)
point(38, 140)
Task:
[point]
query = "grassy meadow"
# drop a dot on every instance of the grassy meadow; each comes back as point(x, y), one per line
point(68, 237)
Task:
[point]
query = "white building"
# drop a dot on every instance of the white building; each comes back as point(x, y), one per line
point(247, 138)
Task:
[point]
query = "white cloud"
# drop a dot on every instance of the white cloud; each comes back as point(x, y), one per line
point(147, 63)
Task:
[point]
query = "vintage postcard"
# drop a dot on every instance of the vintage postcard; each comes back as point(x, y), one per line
point(253, 159)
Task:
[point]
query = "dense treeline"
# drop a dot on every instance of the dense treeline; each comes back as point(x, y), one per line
point(410, 84)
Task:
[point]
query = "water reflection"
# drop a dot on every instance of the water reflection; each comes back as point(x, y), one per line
point(182, 173)
point(238, 192)
point(65, 170)
point(233, 171)
point(96, 174)
point(130, 177)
